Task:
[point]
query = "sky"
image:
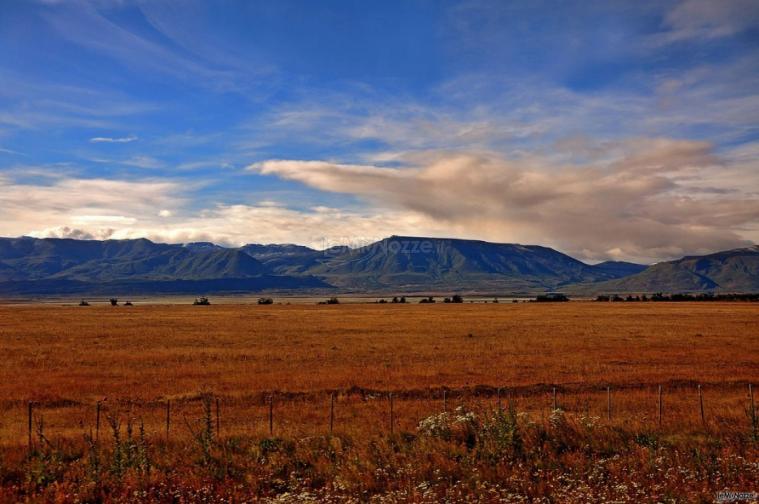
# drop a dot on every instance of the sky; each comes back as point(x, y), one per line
point(605, 129)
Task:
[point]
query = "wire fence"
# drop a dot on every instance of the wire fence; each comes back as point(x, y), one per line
point(674, 406)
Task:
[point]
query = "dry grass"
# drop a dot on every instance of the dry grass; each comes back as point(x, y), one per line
point(151, 352)
point(67, 358)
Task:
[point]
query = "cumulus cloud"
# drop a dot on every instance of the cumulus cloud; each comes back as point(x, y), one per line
point(636, 203)
point(110, 209)
point(66, 232)
point(80, 204)
point(318, 227)
point(235, 225)
point(126, 139)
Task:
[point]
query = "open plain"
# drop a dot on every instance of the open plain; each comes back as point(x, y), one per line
point(235, 376)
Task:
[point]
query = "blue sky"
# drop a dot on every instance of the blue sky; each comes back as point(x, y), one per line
point(606, 129)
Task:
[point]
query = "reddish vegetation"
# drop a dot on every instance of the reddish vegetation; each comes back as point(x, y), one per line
point(66, 359)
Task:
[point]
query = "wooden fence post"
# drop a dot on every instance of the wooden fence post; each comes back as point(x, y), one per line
point(392, 415)
point(331, 412)
point(701, 404)
point(608, 403)
point(445, 402)
point(499, 399)
point(218, 417)
point(30, 425)
point(271, 415)
point(660, 406)
point(753, 409)
point(97, 422)
point(555, 404)
point(168, 418)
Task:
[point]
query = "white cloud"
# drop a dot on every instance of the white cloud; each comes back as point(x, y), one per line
point(84, 24)
point(319, 227)
point(126, 139)
point(86, 220)
point(486, 112)
point(84, 204)
point(109, 209)
point(66, 232)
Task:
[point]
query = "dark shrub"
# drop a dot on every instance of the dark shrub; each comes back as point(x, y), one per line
point(553, 297)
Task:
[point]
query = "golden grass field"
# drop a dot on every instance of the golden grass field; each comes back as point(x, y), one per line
point(65, 359)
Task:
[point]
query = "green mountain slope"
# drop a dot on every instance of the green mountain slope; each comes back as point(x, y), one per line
point(732, 270)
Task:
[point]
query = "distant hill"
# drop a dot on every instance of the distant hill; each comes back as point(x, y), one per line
point(732, 270)
point(401, 264)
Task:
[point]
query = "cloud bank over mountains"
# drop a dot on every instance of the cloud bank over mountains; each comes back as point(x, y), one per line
point(645, 199)
point(648, 202)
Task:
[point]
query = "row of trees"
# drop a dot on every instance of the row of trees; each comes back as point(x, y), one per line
point(395, 300)
point(659, 296)
point(113, 301)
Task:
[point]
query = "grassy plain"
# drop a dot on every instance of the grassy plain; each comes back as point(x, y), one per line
point(135, 359)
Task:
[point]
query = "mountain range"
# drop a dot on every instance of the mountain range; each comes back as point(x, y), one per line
point(51, 266)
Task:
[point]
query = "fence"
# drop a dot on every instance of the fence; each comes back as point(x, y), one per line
point(366, 411)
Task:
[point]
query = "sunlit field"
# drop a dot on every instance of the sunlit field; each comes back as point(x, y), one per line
point(398, 402)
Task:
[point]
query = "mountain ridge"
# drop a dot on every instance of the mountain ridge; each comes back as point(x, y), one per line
point(393, 264)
